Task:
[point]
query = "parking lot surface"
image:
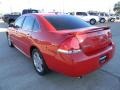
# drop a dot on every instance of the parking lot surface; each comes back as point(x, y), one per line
point(17, 71)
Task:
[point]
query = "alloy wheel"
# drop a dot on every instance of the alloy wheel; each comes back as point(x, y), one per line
point(38, 63)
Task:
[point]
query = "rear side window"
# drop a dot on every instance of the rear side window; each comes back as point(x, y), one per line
point(81, 13)
point(94, 14)
point(66, 22)
point(28, 23)
point(106, 14)
point(19, 22)
point(101, 14)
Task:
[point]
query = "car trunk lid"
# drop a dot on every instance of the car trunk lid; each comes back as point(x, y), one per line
point(92, 40)
point(95, 40)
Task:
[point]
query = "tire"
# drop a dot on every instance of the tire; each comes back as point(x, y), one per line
point(9, 41)
point(102, 20)
point(39, 63)
point(112, 20)
point(92, 21)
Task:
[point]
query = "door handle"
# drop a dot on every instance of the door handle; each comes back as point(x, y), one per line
point(16, 31)
point(28, 35)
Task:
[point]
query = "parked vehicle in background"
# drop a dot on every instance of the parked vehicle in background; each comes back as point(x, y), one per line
point(112, 17)
point(117, 17)
point(103, 17)
point(62, 43)
point(25, 11)
point(93, 13)
point(10, 18)
point(1, 16)
point(92, 19)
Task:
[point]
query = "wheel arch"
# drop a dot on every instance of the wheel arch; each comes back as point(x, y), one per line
point(102, 18)
point(93, 19)
point(35, 47)
point(31, 48)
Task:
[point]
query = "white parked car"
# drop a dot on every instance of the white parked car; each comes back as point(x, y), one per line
point(112, 17)
point(103, 17)
point(117, 17)
point(86, 17)
point(1, 16)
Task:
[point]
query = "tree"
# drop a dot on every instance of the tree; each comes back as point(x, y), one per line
point(117, 8)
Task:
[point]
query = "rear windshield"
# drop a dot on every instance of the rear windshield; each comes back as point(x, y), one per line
point(66, 22)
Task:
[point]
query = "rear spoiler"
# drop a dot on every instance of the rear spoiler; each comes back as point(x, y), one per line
point(97, 29)
point(101, 28)
point(89, 31)
point(105, 27)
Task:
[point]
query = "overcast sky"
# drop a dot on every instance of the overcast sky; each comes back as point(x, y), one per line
point(59, 5)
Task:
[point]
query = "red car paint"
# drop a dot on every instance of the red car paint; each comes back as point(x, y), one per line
point(93, 43)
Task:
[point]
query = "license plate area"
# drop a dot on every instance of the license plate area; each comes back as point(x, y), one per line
point(102, 59)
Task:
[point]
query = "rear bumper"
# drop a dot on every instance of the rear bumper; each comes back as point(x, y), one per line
point(76, 65)
point(92, 63)
point(83, 65)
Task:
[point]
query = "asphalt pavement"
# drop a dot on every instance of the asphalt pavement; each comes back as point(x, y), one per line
point(17, 71)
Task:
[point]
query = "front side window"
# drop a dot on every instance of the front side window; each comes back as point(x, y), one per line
point(36, 26)
point(66, 22)
point(28, 23)
point(19, 22)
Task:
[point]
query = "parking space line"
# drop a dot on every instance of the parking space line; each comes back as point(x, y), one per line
point(3, 29)
point(107, 72)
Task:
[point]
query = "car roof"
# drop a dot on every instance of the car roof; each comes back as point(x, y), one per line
point(45, 14)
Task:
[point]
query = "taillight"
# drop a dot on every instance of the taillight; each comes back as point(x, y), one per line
point(70, 46)
point(68, 51)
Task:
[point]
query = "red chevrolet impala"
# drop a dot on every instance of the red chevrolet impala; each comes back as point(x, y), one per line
point(61, 43)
